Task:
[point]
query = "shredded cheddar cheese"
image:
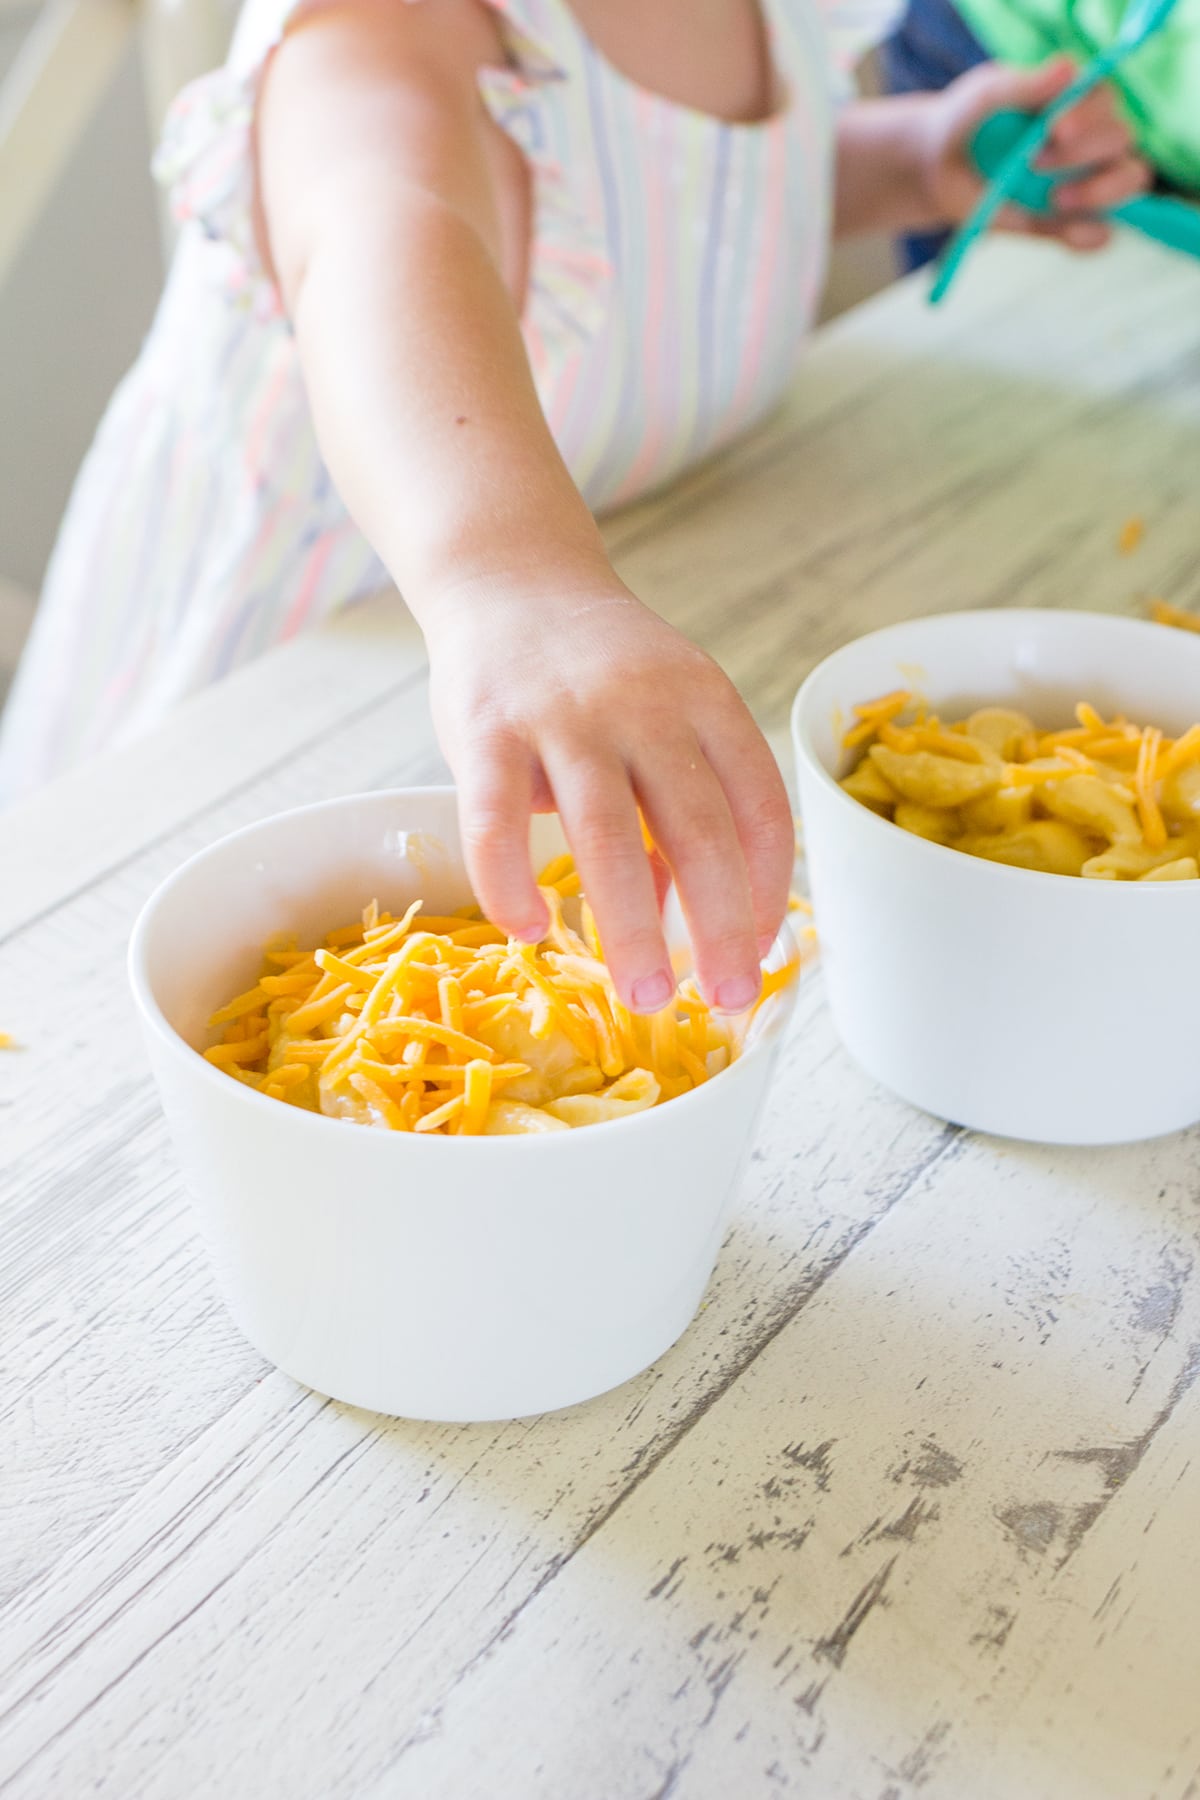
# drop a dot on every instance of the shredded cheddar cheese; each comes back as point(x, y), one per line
point(1106, 799)
point(444, 1026)
point(875, 713)
point(1130, 536)
point(1153, 829)
point(1163, 613)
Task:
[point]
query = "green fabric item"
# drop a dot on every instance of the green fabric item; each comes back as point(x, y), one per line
point(1159, 85)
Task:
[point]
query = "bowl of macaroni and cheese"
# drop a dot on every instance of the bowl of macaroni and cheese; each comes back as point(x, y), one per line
point(1002, 828)
point(440, 1174)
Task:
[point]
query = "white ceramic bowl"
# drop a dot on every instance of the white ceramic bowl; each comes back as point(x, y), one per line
point(1033, 1006)
point(437, 1278)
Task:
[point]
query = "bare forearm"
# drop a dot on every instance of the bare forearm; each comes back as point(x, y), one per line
point(424, 404)
point(381, 222)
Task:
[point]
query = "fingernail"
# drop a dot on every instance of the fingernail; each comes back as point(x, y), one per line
point(534, 932)
point(737, 994)
point(652, 992)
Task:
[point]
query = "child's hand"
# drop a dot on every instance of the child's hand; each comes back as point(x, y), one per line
point(401, 265)
point(1091, 136)
point(575, 696)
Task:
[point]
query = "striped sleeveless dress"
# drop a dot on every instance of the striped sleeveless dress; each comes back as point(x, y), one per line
point(675, 266)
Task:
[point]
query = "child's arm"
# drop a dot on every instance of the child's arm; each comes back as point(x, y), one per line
point(552, 684)
point(902, 163)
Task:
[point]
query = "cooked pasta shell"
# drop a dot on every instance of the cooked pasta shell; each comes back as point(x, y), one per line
point(1184, 868)
point(932, 780)
point(1002, 729)
point(937, 823)
point(1129, 862)
point(866, 784)
point(1181, 793)
point(632, 1092)
point(1048, 845)
point(1005, 810)
point(512, 1118)
point(1089, 802)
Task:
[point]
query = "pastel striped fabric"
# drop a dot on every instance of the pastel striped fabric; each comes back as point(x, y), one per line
point(675, 267)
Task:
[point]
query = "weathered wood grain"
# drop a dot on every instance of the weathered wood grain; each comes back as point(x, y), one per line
point(910, 1509)
point(863, 1563)
point(456, 1527)
point(77, 828)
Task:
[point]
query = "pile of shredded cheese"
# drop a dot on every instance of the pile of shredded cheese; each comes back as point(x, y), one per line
point(1105, 799)
point(446, 1026)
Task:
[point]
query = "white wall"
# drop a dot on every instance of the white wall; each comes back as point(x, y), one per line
point(72, 315)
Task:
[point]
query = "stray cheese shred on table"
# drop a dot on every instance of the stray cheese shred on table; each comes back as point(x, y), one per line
point(1163, 613)
point(1130, 535)
point(445, 1026)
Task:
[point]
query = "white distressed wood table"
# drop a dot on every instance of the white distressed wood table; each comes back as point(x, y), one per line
point(912, 1508)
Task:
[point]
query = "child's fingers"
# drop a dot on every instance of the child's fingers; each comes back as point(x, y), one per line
point(1120, 181)
point(1026, 224)
point(1095, 113)
point(1084, 234)
point(1102, 143)
point(495, 789)
point(599, 815)
point(689, 817)
point(1024, 90)
point(1076, 234)
point(762, 818)
point(1092, 131)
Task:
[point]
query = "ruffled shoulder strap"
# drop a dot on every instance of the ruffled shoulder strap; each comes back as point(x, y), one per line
point(205, 159)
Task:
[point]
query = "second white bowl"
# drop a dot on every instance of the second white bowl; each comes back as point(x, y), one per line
point(1033, 1006)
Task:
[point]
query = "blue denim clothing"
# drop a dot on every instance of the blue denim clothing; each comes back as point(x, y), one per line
point(930, 47)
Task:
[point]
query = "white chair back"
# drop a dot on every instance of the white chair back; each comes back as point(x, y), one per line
point(60, 77)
